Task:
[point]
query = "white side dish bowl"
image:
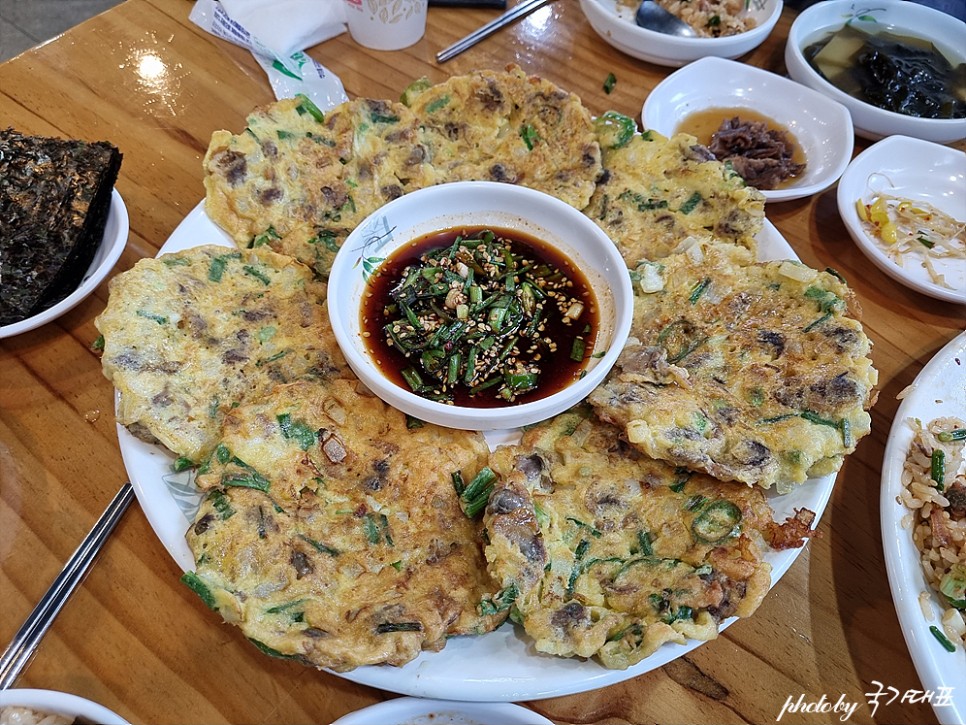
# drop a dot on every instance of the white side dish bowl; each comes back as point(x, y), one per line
point(59, 703)
point(418, 711)
point(615, 24)
point(895, 16)
point(107, 254)
point(474, 204)
point(822, 127)
point(919, 171)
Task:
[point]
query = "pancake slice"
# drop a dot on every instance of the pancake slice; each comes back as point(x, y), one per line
point(657, 192)
point(608, 553)
point(331, 531)
point(756, 372)
point(189, 335)
point(510, 127)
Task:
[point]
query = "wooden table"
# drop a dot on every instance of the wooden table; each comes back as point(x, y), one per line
point(138, 641)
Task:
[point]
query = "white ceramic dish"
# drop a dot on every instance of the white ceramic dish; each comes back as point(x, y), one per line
point(939, 390)
point(615, 24)
point(822, 127)
point(920, 171)
point(499, 667)
point(60, 703)
point(479, 203)
point(110, 248)
point(417, 711)
point(897, 16)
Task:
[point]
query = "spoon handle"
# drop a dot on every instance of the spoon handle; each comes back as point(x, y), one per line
point(24, 643)
point(518, 11)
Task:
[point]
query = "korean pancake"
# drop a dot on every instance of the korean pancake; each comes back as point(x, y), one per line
point(607, 553)
point(189, 335)
point(748, 371)
point(297, 171)
point(331, 531)
point(509, 127)
point(657, 192)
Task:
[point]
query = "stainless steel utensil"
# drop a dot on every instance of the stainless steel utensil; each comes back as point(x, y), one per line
point(517, 11)
point(652, 16)
point(24, 643)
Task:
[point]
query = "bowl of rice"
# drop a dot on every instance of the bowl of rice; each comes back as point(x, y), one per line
point(725, 28)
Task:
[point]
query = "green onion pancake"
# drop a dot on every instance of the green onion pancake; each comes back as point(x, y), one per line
point(752, 372)
point(297, 170)
point(509, 127)
point(189, 335)
point(603, 552)
point(331, 531)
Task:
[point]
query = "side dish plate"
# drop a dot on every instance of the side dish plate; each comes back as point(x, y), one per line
point(916, 170)
point(498, 667)
point(939, 390)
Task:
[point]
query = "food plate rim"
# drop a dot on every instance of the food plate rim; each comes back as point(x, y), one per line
point(906, 579)
point(459, 671)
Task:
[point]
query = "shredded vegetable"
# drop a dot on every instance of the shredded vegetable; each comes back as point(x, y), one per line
point(915, 228)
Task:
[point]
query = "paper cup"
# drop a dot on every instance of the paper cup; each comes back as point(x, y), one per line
point(386, 24)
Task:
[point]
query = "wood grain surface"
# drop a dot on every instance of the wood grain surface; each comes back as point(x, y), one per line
point(136, 640)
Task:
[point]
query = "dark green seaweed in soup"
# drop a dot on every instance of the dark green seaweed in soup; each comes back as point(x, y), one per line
point(898, 73)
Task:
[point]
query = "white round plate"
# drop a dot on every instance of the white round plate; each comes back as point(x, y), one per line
point(920, 171)
point(501, 666)
point(822, 127)
point(60, 703)
point(110, 248)
point(939, 390)
point(417, 711)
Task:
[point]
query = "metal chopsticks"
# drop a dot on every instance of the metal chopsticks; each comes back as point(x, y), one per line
point(517, 11)
point(24, 644)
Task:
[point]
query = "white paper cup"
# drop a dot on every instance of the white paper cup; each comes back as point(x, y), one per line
point(386, 24)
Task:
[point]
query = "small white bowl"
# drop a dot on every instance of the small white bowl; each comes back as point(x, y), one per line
point(920, 171)
point(419, 711)
point(615, 24)
point(479, 203)
point(107, 254)
point(822, 127)
point(60, 703)
point(897, 16)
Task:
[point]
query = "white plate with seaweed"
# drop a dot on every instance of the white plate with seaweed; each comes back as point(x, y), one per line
point(501, 666)
point(938, 390)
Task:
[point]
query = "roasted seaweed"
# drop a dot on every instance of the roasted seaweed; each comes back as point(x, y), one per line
point(55, 196)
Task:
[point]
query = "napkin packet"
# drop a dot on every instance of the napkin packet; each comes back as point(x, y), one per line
point(277, 32)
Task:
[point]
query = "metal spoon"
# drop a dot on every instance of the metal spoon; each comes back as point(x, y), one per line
point(652, 16)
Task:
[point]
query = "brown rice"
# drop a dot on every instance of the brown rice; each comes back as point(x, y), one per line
point(938, 525)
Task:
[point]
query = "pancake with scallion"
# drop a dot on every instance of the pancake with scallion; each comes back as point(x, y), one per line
point(189, 335)
point(656, 193)
point(749, 371)
point(331, 531)
point(511, 127)
point(603, 552)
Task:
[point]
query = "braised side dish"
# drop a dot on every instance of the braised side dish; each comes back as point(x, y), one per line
point(55, 195)
point(899, 73)
point(338, 532)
